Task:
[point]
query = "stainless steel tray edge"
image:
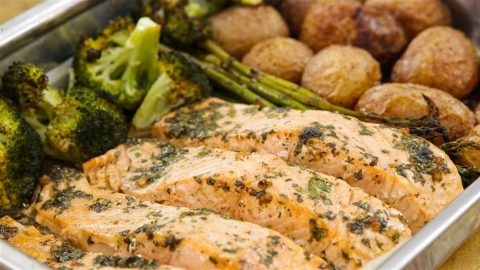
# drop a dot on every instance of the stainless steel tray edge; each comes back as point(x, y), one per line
point(441, 236)
point(33, 37)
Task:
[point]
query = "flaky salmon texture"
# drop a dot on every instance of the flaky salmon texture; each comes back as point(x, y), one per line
point(99, 220)
point(406, 172)
point(342, 224)
point(62, 256)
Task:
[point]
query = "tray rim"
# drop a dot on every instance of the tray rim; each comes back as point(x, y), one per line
point(416, 252)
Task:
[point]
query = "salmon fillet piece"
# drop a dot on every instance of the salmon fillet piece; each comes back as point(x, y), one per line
point(344, 225)
point(57, 255)
point(404, 171)
point(98, 220)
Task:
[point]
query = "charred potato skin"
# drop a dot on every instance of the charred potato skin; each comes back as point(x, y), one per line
point(341, 74)
point(408, 101)
point(414, 16)
point(380, 34)
point(440, 57)
point(347, 22)
point(283, 57)
point(239, 28)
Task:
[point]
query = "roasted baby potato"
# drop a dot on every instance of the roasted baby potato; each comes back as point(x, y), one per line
point(346, 22)
point(414, 16)
point(330, 22)
point(283, 57)
point(238, 28)
point(440, 57)
point(380, 34)
point(341, 74)
point(414, 101)
point(293, 11)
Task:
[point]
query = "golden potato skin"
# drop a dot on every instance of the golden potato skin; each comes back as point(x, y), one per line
point(330, 22)
point(440, 57)
point(283, 57)
point(346, 22)
point(238, 28)
point(341, 74)
point(414, 15)
point(294, 11)
point(405, 100)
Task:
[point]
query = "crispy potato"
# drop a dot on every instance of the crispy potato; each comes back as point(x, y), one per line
point(294, 11)
point(408, 101)
point(380, 34)
point(346, 22)
point(341, 74)
point(238, 28)
point(414, 16)
point(440, 57)
point(330, 22)
point(283, 57)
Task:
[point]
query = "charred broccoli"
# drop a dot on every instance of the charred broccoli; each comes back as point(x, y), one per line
point(180, 82)
point(74, 126)
point(21, 159)
point(184, 22)
point(122, 61)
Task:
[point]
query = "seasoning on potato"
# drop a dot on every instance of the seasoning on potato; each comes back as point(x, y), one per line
point(341, 74)
point(239, 28)
point(346, 22)
point(439, 57)
point(414, 15)
point(283, 57)
point(414, 101)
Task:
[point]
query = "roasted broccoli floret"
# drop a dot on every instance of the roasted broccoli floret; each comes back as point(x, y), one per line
point(122, 61)
point(75, 126)
point(21, 159)
point(181, 82)
point(184, 22)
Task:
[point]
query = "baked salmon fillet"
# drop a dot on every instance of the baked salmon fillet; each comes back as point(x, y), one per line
point(404, 171)
point(57, 255)
point(342, 224)
point(98, 220)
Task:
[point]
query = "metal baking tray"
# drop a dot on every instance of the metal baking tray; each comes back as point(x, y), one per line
point(47, 36)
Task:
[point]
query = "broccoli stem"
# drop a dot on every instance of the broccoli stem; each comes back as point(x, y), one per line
point(155, 104)
point(425, 127)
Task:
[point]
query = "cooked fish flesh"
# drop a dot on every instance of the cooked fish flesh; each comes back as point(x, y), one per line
point(57, 255)
point(344, 225)
point(406, 172)
point(98, 220)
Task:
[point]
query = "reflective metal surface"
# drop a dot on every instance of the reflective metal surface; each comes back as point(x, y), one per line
point(47, 36)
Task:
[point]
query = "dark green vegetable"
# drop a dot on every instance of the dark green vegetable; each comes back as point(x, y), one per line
point(122, 61)
point(181, 82)
point(74, 126)
point(21, 159)
point(184, 22)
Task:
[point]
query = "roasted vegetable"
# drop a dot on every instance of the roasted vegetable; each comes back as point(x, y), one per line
point(21, 159)
point(238, 28)
point(181, 82)
point(440, 57)
point(184, 23)
point(122, 61)
point(75, 125)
